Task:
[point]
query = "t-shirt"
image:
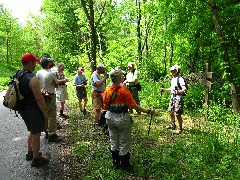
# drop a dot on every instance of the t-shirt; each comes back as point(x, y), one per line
point(174, 84)
point(46, 77)
point(95, 77)
point(80, 79)
point(132, 75)
point(123, 100)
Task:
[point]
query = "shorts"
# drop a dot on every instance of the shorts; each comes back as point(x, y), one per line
point(176, 106)
point(33, 119)
point(62, 93)
point(97, 100)
point(81, 92)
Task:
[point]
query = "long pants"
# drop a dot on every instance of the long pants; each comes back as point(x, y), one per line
point(120, 129)
point(52, 115)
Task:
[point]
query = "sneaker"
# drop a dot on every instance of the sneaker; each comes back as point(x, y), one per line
point(40, 161)
point(179, 131)
point(54, 138)
point(29, 156)
point(171, 126)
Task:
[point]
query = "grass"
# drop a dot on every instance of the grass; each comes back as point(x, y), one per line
point(205, 150)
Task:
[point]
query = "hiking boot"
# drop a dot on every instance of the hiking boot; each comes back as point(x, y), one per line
point(59, 126)
point(46, 134)
point(29, 156)
point(64, 116)
point(40, 161)
point(54, 138)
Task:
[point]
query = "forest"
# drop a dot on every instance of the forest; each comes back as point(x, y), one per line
point(154, 34)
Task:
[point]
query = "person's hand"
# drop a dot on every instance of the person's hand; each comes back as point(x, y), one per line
point(66, 80)
point(176, 92)
point(162, 90)
point(106, 75)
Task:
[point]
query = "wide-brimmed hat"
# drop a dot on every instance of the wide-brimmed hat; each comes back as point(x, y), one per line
point(100, 66)
point(175, 67)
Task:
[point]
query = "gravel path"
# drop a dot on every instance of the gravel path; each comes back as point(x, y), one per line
point(13, 147)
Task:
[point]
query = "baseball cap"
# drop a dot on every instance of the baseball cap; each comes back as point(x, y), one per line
point(44, 61)
point(100, 66)
point(175, 67)
point(29, 57)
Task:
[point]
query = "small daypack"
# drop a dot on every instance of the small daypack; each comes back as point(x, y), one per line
point(180, 87)
point(13, 98)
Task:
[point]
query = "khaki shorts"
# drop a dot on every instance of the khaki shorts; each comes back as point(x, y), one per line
point(97, 100)
point(176, 106)
point(62, 93)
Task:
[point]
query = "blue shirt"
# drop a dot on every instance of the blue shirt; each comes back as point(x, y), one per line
point(80, 79)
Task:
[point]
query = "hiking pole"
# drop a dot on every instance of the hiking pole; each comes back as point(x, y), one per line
point(161, 96)
point(150, 123)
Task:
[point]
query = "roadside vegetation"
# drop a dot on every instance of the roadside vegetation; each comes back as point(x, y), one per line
point(154, 35)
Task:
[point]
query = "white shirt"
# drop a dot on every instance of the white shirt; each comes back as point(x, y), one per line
point(46, 77)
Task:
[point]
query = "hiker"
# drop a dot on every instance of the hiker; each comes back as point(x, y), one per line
point(98, 86)
point(131, 81)
point(48, 83)
point(177, 99)
point(118, 119)
point(61, 90)
point(34, 111)
point(80, 81)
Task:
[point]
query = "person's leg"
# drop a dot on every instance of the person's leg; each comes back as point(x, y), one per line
point(85, 102)
point(37, 159)
point(35, 145)
point(80, 104)
point(179, 118)
point(97, 115)
point(172, 124)
point(30, 143)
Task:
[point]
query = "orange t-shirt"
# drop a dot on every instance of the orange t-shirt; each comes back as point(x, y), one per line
point(122, 100)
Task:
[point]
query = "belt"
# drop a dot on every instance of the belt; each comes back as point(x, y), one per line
point(119, 111)
point(97, 91)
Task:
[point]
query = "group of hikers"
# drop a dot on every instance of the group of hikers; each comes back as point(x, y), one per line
point(117, 100)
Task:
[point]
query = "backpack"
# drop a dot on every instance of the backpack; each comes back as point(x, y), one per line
point(13, 98)
point(180, 87)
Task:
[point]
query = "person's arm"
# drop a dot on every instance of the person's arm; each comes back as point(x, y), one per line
point(99, 83)
point(165, 89)
point(34, 84)
point(139, 108)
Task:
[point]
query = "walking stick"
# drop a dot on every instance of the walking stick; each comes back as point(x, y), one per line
point(150, 123)
point(161, 96)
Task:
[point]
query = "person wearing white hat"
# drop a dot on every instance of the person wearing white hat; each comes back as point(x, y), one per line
point(177, 98)
point(131, 81)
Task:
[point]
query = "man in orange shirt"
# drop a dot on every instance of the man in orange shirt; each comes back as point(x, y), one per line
point(118, 119)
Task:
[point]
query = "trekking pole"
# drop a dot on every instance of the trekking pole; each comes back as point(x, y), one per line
point(161, 96)
point(150, 123)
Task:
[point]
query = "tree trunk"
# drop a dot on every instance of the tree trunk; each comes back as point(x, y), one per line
point(93, 36)
point(138, 3)
point(213, 7)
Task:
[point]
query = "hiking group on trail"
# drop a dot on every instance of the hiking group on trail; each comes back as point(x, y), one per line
point(113, 103)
